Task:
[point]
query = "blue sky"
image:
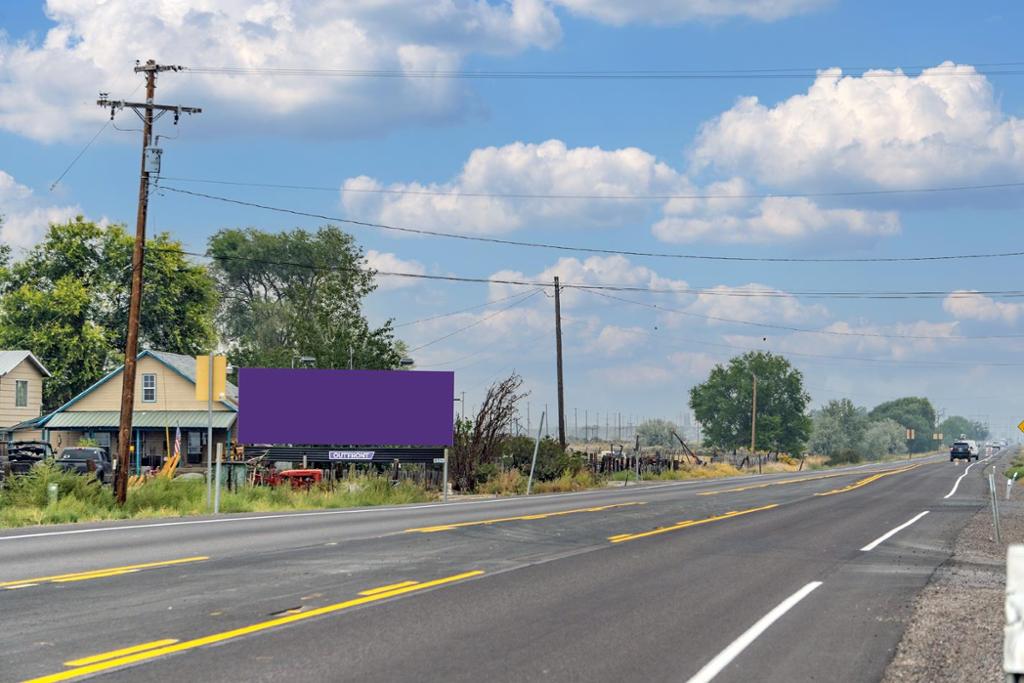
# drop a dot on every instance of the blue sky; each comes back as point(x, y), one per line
point(633, 137)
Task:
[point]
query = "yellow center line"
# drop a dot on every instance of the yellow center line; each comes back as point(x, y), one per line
point(619, 538)
point(751, 487)
point(389, 587)
point(119, 653)
point(243, 631)
point(543, 515)
point(98, 573)
point(867, 480)
point(95, 575)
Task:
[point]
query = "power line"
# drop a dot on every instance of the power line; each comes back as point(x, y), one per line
point(739, 293)
point(802, 330)
point(529, 295)
point(582, 249)
point(615, 197)
point(461, 310)
point(956, 70)
point(860, 359)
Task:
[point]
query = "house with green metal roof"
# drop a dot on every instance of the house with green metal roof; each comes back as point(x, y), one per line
point(165, 401)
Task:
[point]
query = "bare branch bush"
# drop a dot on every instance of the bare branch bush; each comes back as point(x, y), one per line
point(480, 441)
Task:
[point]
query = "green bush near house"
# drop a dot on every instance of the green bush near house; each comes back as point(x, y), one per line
point(25, 500)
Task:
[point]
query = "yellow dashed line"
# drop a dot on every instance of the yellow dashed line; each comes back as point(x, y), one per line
point(544, 515)
point(125, 660)
point(867, 480)
point(389, 587)
point(99, 573)
point(120, 653)
point(619, 538)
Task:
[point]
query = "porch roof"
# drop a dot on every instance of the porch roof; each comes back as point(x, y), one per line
point(142, 419)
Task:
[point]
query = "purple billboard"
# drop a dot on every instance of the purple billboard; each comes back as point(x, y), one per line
point(350, 407)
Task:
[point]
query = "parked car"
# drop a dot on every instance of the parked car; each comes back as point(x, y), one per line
point(76, 459)
point(962, 450)
point(22, 456)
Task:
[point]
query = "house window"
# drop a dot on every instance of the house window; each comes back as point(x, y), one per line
point(149, 388)
point(21, 393)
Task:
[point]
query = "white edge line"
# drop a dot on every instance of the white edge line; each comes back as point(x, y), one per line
point(958, 479)
point(725, 657)
point(625, 491)
point(892, 532)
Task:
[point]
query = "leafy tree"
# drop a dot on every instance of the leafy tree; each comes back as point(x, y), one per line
point(552, 461)
point(838, 426)
point(656, 433)
point(67, 302)
point(54, 321)
point(884, 437)
point(912, 413)
point(298, 293)
point(722, 404)
point(955, 425)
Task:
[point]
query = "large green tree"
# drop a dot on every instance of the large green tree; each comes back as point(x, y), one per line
point(722, 404)
point(67, 301)
point(956, 425)
point(884, 437)
point(838, 427)
point(910, 412)
point(656, 432)
point(298, 293)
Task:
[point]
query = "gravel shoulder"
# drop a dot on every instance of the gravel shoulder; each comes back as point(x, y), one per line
point(955, 634)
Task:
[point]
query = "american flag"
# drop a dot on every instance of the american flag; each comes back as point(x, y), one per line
point(177, 443)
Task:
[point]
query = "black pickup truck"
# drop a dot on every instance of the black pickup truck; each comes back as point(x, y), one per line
point(22, 456)
point(76, 459)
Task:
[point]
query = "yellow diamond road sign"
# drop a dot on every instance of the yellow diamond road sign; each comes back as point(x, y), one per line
point(1021, 426)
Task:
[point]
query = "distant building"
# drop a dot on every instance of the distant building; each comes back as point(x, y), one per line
point(21, 392)
point(164, 402)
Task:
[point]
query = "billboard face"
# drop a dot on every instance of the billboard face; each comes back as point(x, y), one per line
point(345, 407)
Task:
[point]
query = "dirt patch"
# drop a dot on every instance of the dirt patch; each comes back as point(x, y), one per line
point(956, 631)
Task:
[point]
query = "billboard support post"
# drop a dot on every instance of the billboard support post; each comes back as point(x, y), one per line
point(444, 483)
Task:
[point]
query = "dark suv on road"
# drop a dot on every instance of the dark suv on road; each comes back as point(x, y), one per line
point(961, 450)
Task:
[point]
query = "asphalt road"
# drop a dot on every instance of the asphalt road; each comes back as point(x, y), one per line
point(774, 578)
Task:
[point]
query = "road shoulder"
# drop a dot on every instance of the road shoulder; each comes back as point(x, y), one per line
point(955, 634)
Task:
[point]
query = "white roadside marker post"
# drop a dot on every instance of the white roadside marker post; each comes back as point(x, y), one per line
point(1013, 631)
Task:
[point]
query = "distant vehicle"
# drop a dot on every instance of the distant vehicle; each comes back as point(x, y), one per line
point(22, 456)
point(963, 450)
point(76, 459)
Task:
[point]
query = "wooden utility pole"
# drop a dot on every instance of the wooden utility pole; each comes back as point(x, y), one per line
point(150, 164)
point(558, 363)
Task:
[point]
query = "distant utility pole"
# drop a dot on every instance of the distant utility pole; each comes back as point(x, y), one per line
point(150, 164)
point(753, 424)
point(558, 365)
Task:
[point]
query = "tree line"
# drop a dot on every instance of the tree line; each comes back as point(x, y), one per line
point(262, 297)
point(724, 405)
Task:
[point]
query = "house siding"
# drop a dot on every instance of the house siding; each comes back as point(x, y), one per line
point(173, 392)
point(11, 415)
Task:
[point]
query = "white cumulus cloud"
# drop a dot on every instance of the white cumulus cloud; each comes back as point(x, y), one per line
point(755, 303)
point(885, 129)
point(967, 305)
point(25, 217)
point(515, 170)
point(388, 262)
point(47, 88)
point(772, 219)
